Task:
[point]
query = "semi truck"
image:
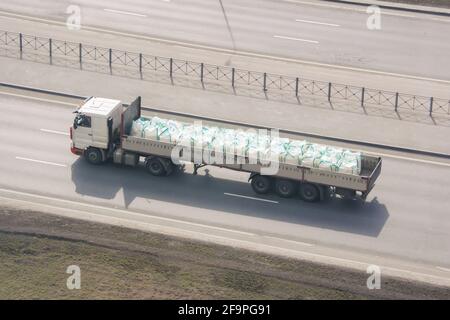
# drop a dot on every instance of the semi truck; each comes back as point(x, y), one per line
point(101, 132)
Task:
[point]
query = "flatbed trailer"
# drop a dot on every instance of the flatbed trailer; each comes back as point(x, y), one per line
point(312, 184)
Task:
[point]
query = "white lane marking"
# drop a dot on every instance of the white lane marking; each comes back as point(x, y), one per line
point(38, 99)
point(316, 22)
point(43, 162)
point(295, 39)
point(441, 20)
point(223, 50)
point(291, 241)
point(55, 132)
point(324, 5)
point(443, 269)
point(247, 197)
point(398, 14)
point(125, 12)
point(298, 252)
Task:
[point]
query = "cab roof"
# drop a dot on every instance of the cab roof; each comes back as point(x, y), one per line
point(99, 106)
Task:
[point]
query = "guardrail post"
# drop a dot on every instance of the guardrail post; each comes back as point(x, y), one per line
point(396, 102)
point(140, 63)
point(296, 86)
point(431, 106)
point(171, 67)
point(20, 44)
point(110, 59)
point(232, 76)
point(362, 96)
point(50, 49)
point(201, 72)
point(80, 53)
point(329, 91)
point(265, 82)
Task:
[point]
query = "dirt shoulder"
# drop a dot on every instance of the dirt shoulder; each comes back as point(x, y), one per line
point(120, 263)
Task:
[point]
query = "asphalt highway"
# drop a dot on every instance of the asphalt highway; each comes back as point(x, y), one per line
point(405, 217)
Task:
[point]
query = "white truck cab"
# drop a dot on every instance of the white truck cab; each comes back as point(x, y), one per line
point(96, 123)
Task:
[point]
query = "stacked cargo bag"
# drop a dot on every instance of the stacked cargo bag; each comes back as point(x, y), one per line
point(350, 162)
point(229, 137)
point(241, 143)
point(281, 148)
point(175, 130)
point(154, 129)
point(252, 147)
point(326, 158)
point(218, 143)
point(255, 146)
point(295, 151)
point(138, 127)
point(209, 135)
point(307, 155)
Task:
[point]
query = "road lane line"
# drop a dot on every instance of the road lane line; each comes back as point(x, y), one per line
point(291, 241)
point(247, 197)
point(125, 12)
point(55, 132)
point(443, 269)
point(397, 14)
point(324, 5)
point(43, 162)
point(38, 99)
point(295, 39)
point(316, 22)
point(223, 50)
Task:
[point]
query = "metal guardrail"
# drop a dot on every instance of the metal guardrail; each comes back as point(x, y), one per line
point(110, 58)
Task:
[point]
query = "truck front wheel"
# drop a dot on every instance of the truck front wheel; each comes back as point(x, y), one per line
point(93, 156)
point(285, 188)
point(155, 167)
point(309, 192)
point(261, 184)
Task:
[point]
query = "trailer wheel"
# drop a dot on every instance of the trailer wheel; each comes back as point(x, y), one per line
point(285, 188)
point(261, 184)
point(155, 167)
point(309, 192)
point(93, 156)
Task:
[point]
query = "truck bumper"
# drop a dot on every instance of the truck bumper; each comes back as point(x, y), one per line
point(76, 151)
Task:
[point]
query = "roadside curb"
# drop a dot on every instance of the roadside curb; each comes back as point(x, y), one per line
point(397, 6)
point(244, 124)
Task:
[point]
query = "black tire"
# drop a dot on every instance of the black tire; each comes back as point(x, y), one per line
point(261, 184)
point(309, 192)
point(93, 156)
point(155, 167)
point(285, 188)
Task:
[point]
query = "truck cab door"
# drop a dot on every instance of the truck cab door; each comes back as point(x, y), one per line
point(82, 133)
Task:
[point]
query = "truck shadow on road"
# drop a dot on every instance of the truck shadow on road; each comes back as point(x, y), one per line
point(109, 181)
